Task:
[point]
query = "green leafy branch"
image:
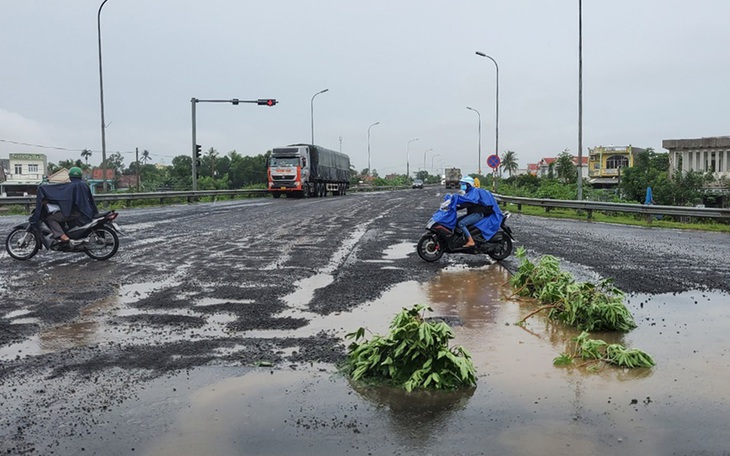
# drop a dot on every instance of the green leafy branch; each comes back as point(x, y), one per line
point(415, 354)
point(596, 349)
point(583, 305)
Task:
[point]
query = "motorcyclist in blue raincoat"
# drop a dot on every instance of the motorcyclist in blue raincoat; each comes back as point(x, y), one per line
point(482, 210)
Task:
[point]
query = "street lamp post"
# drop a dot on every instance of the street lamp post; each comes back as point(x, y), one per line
point(101, 97)
point(408, 159)
point(496, 135)
point(479, 148)
point(437, 155)
point(370, 171)
point(580, 100)
point(312, 111)
point(424, 157)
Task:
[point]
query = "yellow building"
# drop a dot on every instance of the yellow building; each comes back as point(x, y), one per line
point(606, 162)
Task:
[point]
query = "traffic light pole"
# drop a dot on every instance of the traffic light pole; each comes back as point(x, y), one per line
point(194, 101)
point(234, 101)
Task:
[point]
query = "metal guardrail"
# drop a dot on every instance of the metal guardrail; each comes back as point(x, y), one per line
point(190, 196)
point(590, 206)
point(548, 204)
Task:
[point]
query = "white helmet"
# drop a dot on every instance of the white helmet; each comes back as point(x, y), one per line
point(467, 180)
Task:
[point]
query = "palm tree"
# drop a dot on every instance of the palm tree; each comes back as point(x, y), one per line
point(145, 156)
point(509, 163)
point(68, 164)
point(86, 153)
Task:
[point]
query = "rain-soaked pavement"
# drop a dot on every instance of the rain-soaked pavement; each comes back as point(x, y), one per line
point(224, 341)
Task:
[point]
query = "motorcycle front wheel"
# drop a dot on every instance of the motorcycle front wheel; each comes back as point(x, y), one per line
point(103, 243)
point(504, 250)
point(21, 244)
point(430, 247)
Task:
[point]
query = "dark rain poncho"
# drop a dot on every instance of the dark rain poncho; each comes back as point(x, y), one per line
point(70, 196)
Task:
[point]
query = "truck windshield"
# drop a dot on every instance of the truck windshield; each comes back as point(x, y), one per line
point(284, 161)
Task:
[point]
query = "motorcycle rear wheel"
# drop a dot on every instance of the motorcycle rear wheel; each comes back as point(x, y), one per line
point(504, 250)
point(105, 242)
point(22, 244)
point(430, 248)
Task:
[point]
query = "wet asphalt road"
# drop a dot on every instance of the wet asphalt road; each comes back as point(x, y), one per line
point(203, 285)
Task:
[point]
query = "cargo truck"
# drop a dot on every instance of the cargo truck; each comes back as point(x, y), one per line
point(452, 177)
point(306, 170)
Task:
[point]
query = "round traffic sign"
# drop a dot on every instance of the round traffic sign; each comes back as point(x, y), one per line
point(493, 161)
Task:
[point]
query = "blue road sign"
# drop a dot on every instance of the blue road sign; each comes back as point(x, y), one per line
point(493, 161)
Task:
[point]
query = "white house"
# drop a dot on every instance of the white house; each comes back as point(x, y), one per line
point(702, 154)
point(25, 172)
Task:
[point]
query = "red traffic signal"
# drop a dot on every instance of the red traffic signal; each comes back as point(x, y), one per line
point(266, 102)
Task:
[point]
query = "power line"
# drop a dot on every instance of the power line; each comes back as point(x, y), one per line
point(67, 149)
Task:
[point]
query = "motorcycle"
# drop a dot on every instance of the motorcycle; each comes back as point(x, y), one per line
point(444, 236)
point(99, 239)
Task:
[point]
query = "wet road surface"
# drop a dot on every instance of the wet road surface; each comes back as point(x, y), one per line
point(155, 351)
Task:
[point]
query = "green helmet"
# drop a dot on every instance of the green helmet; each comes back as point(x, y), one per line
point(75, 172)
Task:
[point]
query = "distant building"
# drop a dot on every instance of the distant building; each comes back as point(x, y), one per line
point(606, 162)
point(706, 155)
point(60, 176)
point(24, 173)
point(127, 182)
point(531, 169)
point(4, 168)
point(542, 167)
point(96, 181)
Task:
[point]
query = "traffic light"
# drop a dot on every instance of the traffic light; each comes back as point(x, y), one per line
point(197, 155)
point(266, 102)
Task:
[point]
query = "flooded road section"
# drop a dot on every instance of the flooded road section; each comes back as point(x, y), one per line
point(523, 404)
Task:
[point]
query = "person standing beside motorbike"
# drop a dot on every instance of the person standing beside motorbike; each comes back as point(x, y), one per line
point(479, 203)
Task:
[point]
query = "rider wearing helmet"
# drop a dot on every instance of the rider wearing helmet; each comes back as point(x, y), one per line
point(67, 202)
point(476, 206)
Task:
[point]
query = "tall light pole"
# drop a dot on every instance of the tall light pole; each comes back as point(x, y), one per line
point(370, 171)
point(437, 155)
point(496, 135)
point(424, 157)
point(479, 148)
point(312, 111)
point(580, 100)
point(101, 97)
point(408, 159)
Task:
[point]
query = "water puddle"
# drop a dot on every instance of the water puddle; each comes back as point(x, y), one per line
point(522, 405)
point(399, 251)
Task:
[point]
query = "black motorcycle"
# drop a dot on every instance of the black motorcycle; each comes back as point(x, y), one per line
point(444, 236)
point(99, 239)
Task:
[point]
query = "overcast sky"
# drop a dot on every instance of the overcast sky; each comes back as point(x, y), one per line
point(652, 70)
